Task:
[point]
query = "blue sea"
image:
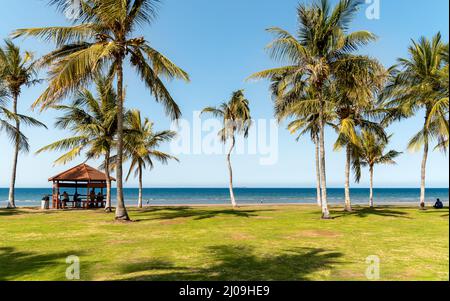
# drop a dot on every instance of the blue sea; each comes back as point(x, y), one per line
point(30, 197)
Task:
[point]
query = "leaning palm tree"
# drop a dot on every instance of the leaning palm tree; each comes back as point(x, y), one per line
point(102, 38)
point(141, 146)
point(17, 70)
point(372, 152)
point(93, 122)
point(236, 118)
point(421, 83)
point(313, 58)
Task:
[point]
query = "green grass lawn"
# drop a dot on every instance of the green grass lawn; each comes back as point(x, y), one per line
point(216, 243)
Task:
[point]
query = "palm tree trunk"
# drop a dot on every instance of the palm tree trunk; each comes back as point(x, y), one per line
point(121, 211)
point(12, 186)
point(318, 184)
point(230, 170)
point(348, 203)
point(423, 175)
point(371, 187)
point(140, 188)
point(323, 174)
point(108, 183)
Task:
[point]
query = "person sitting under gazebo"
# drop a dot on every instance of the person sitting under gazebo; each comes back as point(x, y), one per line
point(77, 200)
point(100, 200)
point(92, 198)
point(65, 199)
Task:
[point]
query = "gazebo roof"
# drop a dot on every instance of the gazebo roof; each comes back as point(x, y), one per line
point(82, 173)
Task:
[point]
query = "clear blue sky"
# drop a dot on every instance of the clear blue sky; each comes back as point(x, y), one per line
point(220, 43)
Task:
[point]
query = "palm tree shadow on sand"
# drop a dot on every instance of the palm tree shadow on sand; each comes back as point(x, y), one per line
point(238, 263)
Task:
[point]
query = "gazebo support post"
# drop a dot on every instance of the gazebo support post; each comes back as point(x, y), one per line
point(58, 206)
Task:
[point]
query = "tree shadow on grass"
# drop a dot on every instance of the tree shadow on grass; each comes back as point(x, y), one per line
point(11, 212)
point(15, 212)
point(239, 263)
point(16, 264)
point(366, 212)
point(196, 214)
point(438, 212)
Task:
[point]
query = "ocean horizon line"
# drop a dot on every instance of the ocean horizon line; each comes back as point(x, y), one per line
point(250, 187)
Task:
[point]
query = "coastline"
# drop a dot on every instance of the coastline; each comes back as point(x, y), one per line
point(256, 197)
point(399, 205)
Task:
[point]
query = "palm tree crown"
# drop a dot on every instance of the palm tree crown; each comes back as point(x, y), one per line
point(235, 116)
point(372, 150)
point(101, 38)
point(17, 69)
point(92, 120)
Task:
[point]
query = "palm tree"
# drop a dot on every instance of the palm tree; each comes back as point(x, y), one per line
point(372, 152)
point(93, 123)
point(236, 118)
point(421, 83)
point(141, 146)
point(313, 57)
point(357, 85)
point(102, 38)
point(16, 70)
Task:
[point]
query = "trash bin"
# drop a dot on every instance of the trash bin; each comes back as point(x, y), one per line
point(45, 205)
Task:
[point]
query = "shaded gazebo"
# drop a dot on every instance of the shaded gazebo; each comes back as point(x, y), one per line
point(83, 179)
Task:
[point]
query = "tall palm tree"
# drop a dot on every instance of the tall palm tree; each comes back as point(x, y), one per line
point(357, 85)
point(421, 83)
point(141, 146)
point(93, 122)
point(17, 70)
point(313, 57)
point(103, 38)
point(236, 118)
point(371, 151)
